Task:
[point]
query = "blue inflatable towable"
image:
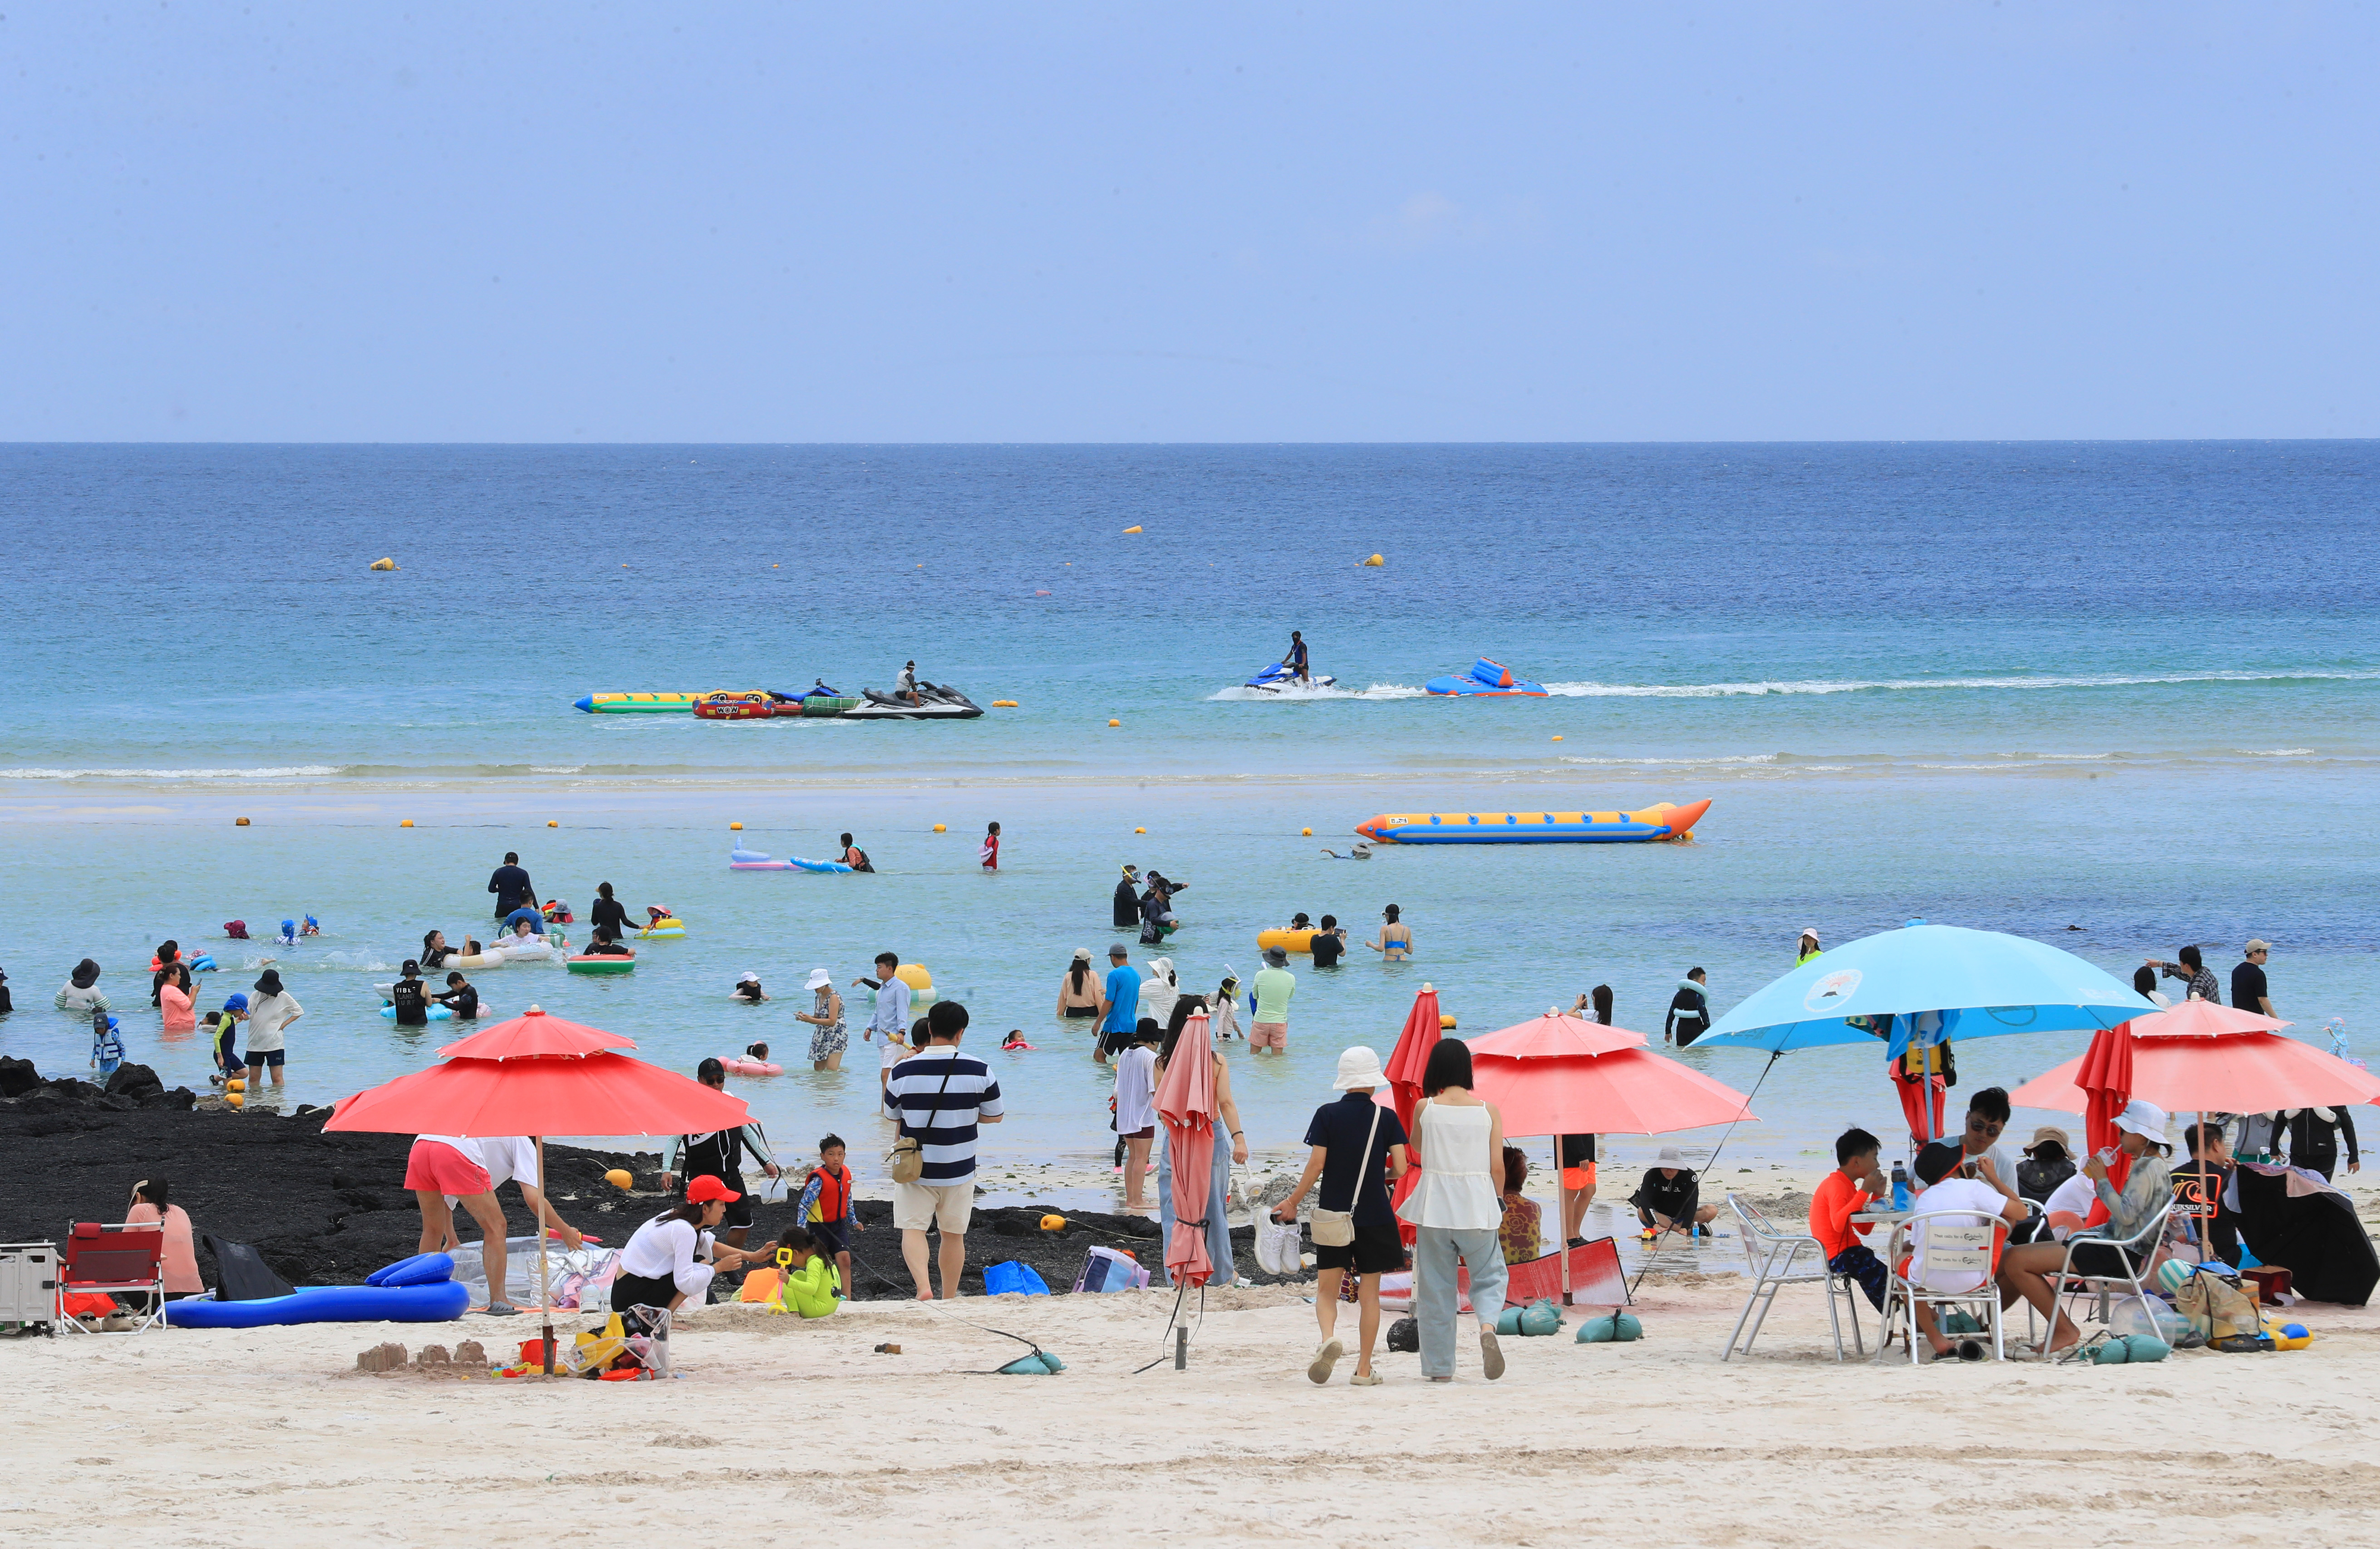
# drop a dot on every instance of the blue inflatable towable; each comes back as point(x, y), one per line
point(1484, 680)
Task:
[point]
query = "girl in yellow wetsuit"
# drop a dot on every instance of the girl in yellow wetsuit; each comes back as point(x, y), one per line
point(811, 1286)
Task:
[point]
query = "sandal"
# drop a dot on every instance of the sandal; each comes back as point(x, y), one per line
point(1365, 1379)
point(501, 1310)
point(1319, 1370)
point(1491, 1355)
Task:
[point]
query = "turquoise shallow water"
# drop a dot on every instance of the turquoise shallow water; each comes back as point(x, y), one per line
point(2126, 688)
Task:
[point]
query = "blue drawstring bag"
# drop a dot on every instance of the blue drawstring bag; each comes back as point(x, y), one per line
point(1040, 1363)
point(1015, 1276)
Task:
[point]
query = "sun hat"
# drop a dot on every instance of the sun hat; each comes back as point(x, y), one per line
point(1276, 957)
point(1358, 1067)
point(86, 972)
point(2257, 944)
point(2144, 1119)
point(1810, 931)
point(749, 979)
point(270, 981)
point(235, 1002)
point(1670, 1158)
point(709, 1188)
point(2048, 1132)
point(1082, 955)
point(820, 979)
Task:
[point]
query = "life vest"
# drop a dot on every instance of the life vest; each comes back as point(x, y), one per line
point(834, 1195)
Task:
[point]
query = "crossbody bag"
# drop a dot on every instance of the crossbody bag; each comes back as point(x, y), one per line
point(908, 1153)
point(1336, 1229)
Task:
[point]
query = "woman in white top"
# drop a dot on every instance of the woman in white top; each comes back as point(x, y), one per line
point(1459, 1144)
point(269, 1016)
point(1158, 991)
point(662, 1264)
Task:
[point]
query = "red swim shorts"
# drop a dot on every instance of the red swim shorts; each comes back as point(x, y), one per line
point(433, 1163)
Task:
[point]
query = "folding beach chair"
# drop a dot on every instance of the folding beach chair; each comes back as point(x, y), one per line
point(101, 1259)
point(2140, 1256)
point(1776, 1259)
point(1961, 1249)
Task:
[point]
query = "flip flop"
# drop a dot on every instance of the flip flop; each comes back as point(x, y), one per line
point(1491, 1354)
point(501, 1310)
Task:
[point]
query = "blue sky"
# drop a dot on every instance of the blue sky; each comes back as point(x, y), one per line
point(797, 222)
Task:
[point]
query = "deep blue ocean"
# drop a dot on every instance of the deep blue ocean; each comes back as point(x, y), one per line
point(2129, 688)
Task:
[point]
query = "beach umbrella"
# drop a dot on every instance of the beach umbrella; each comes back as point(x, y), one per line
point(1580, 1078)
point(1186, 1102)
point(532, 1033)
point(2238, 1073)
point(1407, 1063)
point(1925, 985)
point(597, 1092)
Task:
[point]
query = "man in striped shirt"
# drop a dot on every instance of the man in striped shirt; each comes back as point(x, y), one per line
point(939, 1095)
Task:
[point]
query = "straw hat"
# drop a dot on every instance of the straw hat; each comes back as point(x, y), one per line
point(1359, 1068)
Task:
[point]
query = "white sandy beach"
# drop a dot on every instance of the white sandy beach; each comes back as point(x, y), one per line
point(780, 1432)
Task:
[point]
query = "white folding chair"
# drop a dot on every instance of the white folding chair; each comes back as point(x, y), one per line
point(1961, 1249)
point(2140, 1252)
point(1776, 1259)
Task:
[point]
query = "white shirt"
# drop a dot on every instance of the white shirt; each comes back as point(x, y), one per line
point(2074, 1196)
point(1136, 1089)
point(267, 1017)
point(660, 1249)
point(1456, 1190)
point(1953, 1193)
point(891, 1012)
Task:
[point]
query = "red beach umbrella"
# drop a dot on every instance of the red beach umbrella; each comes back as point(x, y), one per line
point(1424, 1025)
point(1556, 1036)
point(2238, 1073)
point(592, 1092)
point(532, 1033)
point(1186, 1102)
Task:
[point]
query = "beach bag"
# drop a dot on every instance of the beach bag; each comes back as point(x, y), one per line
point(241, 1274)
point(908, 1154)
point(1105, 1269)
point(2216, 1307)
point(1015, 1276)
point(1336, 1229)
point(1278, 1250)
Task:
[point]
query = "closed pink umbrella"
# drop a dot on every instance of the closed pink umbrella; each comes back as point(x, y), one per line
point(1407, 1063)
point(1186, 1102)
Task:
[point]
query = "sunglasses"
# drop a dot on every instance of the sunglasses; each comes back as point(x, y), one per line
point(1983, 1126)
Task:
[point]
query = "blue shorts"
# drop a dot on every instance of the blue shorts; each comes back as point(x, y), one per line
point(828, 1235)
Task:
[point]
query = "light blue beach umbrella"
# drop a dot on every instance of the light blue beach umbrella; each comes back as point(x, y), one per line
point(1926, 985)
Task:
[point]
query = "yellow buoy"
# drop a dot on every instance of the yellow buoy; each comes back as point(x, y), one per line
point(734, 825)
point(405, 824)
point(237, 1083)
point(1004, 704)
point(1132, 530)
point(940, 828)
point(915, 976)
point(240, 822)
point(1112, 722)
point(619, 1177)
point(233, 1099)
point(551, 824)
point(1446, 1022)
point(1376, 559)
point(1141, 830)
point(1558, 736)
point(1054, 1223)
point(1308, 832)
point(384, 565)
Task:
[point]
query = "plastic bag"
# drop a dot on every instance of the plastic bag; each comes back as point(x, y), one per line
point(2152, 1317)
point(1280, 1249)
point(577, 1277)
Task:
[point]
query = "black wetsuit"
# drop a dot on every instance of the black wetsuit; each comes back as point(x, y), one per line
point(1128, 905)
point(412, 1001)
point(463, 1002)
point(511, 886)
point(608, 913)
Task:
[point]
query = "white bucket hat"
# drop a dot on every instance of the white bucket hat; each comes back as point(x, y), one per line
point(749, 979)
point(1359, 1068)
point(1670, 1156)
point(2144, 1119)
point(821, 978)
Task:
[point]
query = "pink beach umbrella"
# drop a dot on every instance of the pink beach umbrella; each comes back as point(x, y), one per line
point(1186, 1102)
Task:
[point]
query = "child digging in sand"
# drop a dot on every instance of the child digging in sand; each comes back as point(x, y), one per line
point(808, 1284)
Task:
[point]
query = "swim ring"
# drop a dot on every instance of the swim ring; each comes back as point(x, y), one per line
point(663, 930)
point(200, 963)
point(742, 1067)
point(440, 1013)
point(1660, 820)
point(1287, 940)
point(601, 963)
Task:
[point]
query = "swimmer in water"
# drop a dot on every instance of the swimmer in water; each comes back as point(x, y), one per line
point(1016, 1039)
point(1395, 941)
point(747, 988)
point(758, 1052)
point(312, 928)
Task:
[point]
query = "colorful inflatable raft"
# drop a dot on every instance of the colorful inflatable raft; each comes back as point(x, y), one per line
point(1485, 678)
point(1659, 821)
point(644, 704)
point(757, 860)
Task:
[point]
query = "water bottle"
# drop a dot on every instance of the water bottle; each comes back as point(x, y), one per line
point(1901, 1200)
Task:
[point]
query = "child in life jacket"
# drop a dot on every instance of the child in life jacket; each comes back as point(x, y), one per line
point(106, 1048)
point(826, 1209)
point(806, 1280)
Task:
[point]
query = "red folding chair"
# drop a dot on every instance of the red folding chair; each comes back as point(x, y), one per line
point(101, 1259)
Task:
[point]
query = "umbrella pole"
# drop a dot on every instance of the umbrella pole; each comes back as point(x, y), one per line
point(1561, 1225)
point(544, 1310)
point(2206, 1222)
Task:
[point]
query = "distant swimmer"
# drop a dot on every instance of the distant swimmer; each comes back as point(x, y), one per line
point(1296, 658)
point(854, 856)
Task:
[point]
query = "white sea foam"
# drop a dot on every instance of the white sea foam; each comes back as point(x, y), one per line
point(1590, 690)
point(286, 772)
point(1271, 695)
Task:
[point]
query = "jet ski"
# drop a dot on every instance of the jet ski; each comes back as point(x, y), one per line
point(940, 703)
point(1279, 676)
